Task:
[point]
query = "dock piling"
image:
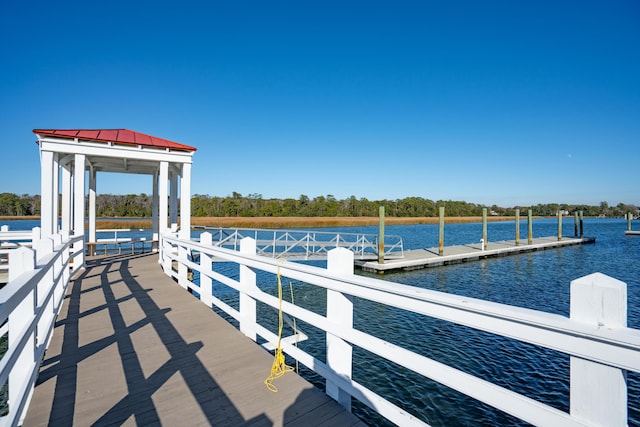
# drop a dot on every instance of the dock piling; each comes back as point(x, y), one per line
point(441, 239)
point(529, 226)
point(629, 221)
point(484, 228)
point(559, 225)
point(575, 224)
point(581, 225)
point(517, 227)
point(381, 235)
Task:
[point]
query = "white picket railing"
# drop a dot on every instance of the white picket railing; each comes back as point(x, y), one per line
point(29, 304)
point(595, 335)
point(13, 239)
point(108, 241)
point(305, 244)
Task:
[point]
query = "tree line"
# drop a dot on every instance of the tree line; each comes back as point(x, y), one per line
point(254, 205)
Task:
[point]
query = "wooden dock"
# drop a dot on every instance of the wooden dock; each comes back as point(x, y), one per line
point(131, 347)
point(424, 258)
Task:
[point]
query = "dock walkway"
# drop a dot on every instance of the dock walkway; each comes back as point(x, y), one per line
point(424, 258)
point(131, 347)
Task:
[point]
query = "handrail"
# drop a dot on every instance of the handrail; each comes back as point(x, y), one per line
point(115, 244)
point(29, 304)
point(12, 239)
point(598, 341)
point(15, 235)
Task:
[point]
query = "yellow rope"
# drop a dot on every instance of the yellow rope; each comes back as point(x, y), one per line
point(279, 367)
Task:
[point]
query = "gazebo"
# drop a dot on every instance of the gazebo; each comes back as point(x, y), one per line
point(66, 154)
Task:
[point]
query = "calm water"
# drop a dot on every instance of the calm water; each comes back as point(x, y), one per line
point(538, 280)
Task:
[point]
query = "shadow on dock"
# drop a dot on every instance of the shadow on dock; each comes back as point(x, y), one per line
point(131, 347)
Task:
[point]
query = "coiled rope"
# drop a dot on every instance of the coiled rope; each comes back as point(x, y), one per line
point(279, 367)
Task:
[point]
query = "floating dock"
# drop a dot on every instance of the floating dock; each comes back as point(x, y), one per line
point(424, 258)
point(632, 233)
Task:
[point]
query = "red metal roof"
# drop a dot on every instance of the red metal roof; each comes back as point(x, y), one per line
point(118, 136)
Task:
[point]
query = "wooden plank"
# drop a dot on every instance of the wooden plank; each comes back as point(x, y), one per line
point(131, 347)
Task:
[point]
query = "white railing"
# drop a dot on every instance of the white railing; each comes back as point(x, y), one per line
point(29, 304)
point(10, 240)
point(305, 244)
point(110, 242)
point(595, 335)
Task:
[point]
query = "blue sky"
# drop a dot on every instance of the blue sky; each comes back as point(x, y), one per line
point(492, 102)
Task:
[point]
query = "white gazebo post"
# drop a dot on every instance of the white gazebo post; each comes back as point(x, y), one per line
point(162, 197)
point(162, 207)
point(185, 221)
point(67, 202)
point(47, 192)
point(56, 192)
point(185, 201)
point(154, 207)
point(173, 199)
point(108, 150)
point(92, 207)
point(78, 208)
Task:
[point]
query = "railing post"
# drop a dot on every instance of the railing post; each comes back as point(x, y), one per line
point(21, 260)
point(35, 236)
point(206, 290)
point(274, 244)
point(63, 263)
point(183, 256)
point(183, 271)
point(340, 312)
point(164, 255)
point(598, 392)
point(247, 282)
point(44, 248)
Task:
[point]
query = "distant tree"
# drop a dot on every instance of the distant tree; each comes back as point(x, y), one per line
point(7, 204)
point(140, 205)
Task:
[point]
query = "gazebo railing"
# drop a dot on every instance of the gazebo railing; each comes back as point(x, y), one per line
point(29, 304)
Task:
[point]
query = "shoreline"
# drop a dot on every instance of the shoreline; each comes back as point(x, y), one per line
point(286, 222)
